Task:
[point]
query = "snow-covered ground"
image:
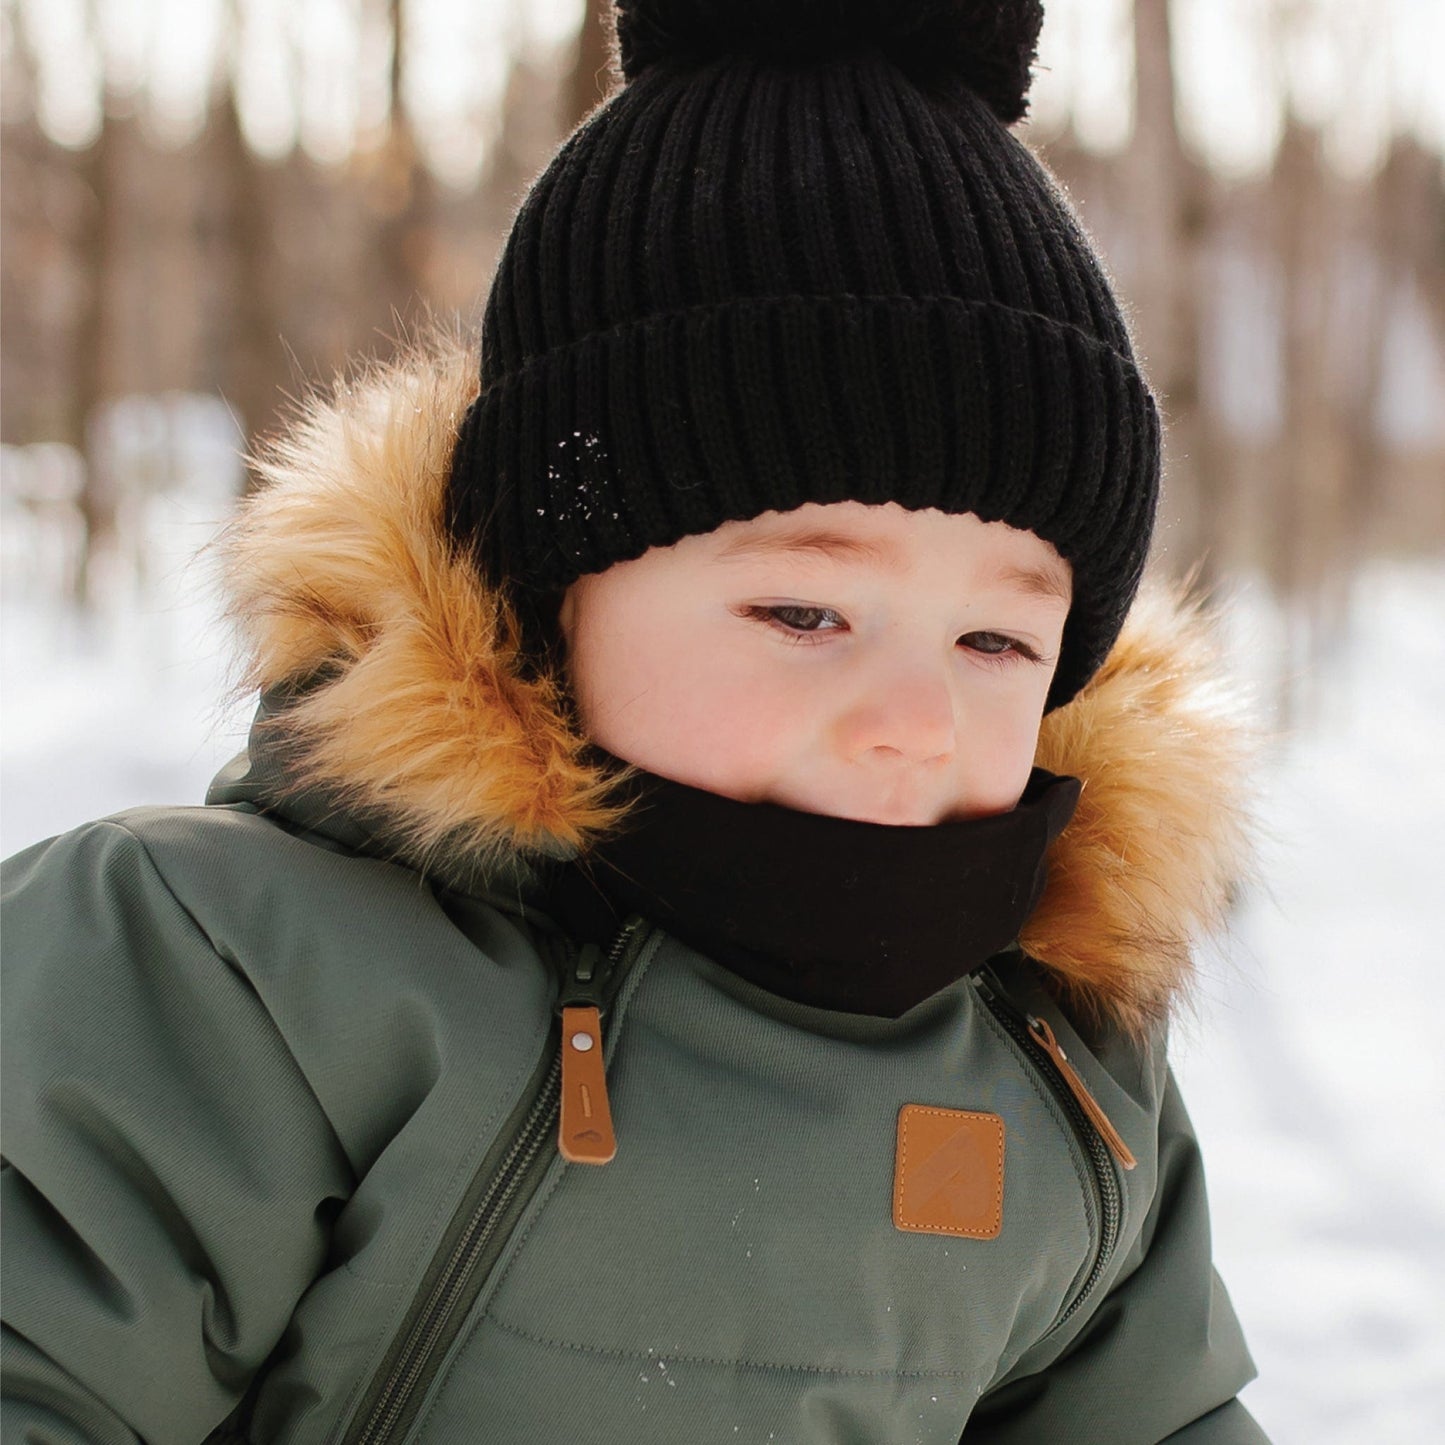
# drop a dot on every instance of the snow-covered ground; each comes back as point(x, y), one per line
point(125, 707)
point(1314, 1070)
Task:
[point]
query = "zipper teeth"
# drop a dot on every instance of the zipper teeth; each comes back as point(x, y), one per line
point(1098, 1155)
point(459, 1266)
point(510, 1173)
point(619, 945)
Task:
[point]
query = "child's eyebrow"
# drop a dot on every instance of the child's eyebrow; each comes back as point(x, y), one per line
point(1050, 581)
point(814, 539)
point(1047, 581)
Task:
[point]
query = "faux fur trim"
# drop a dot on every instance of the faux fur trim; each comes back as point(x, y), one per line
point(1163, 837)
point(340, 563)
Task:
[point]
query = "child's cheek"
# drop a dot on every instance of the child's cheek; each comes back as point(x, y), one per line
point(998, 749)
point(675, 700)
point(731, 725)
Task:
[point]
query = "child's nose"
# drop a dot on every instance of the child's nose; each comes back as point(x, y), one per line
point(904, 711)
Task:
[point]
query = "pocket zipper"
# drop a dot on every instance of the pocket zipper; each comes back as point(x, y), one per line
point(505, 1183)
point(1092, 1126)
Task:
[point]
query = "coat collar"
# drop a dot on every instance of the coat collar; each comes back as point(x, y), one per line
point(395, 707)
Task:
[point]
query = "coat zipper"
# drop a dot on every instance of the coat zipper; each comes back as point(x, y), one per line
point(1098, 1136)
point(505, 1182)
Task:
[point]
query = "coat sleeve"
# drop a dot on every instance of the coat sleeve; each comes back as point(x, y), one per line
point(1161, 1356)
point(169, 1176)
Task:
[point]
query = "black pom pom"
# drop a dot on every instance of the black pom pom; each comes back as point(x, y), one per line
point(988, 47)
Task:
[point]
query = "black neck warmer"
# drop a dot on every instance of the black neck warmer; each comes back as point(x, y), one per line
point(865, 918)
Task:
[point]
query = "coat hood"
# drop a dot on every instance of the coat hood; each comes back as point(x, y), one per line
point(393, 688)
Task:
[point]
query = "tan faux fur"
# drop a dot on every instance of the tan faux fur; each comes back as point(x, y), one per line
point(1163, 834)
point(341, 561)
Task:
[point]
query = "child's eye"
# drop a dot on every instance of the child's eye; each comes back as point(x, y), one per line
point(997, 648)
point(798, 621)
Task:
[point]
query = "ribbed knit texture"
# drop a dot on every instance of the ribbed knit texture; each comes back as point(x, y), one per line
point(748, 284)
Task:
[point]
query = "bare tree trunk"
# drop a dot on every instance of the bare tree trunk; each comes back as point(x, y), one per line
point(534, 100)
point(591, 77)
point(1307, 473)
point(95, 364)
point(1171, 219)
point(1399, 231)
point(406, 202)
point(248, 353)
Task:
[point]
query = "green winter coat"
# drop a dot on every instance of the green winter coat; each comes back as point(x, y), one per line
point(281, 1071)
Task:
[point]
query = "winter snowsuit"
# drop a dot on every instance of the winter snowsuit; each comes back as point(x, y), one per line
point(281, 1071)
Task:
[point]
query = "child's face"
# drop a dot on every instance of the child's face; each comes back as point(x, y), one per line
point(868, 662)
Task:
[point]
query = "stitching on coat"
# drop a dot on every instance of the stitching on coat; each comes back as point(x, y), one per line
point(781, 1366)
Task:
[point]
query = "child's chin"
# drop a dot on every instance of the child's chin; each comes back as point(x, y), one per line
point(926, 817)
point(896, 818)
point(892, 815)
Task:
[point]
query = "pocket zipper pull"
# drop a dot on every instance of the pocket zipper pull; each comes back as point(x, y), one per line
point(1044, 1036)
point(584, 1131)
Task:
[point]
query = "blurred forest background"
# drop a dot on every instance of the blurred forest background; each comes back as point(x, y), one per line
point(208, 205)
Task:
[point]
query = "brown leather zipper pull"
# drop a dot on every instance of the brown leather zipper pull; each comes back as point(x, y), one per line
point(1044, 1036)
point(584, 1133)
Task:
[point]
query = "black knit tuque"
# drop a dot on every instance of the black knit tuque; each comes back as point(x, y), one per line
point(798, 257)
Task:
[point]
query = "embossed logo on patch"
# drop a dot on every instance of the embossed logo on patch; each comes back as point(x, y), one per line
point(948, 1174)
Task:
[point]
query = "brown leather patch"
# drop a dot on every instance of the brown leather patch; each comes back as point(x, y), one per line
point(948, 1174)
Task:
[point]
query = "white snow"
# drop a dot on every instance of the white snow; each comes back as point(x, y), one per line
point(1313, 1072)
point(123, 708)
